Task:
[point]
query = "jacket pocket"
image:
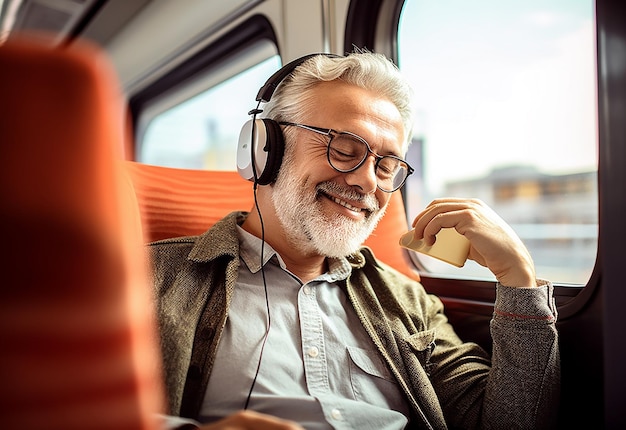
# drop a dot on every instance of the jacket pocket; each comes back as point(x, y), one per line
point(423, 345)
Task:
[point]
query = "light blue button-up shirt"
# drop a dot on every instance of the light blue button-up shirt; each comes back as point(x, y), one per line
point(318, 367)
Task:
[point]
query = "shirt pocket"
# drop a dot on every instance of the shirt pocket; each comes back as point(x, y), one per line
point(371, 380)
point(423, 345)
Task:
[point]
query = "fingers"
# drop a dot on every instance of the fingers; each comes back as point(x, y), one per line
point(493, 243)
point(250, 420)
point(439, 206)
point(459, 214)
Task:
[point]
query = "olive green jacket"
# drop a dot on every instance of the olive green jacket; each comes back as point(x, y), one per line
point(447, 383)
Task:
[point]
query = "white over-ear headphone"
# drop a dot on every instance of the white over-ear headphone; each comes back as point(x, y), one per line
point(261, 144)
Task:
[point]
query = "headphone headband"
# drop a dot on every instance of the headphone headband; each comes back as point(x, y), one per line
point(267, 90)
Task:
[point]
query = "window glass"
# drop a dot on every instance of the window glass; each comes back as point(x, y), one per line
point(201, 132)
point(506, 97)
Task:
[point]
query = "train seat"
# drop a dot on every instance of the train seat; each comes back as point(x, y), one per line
point(184, 202)
point(179, 202)
point(77, 333)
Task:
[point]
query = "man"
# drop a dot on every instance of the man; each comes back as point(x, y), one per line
point(317, 331)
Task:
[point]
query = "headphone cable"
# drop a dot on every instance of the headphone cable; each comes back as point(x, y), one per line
point(267, 302)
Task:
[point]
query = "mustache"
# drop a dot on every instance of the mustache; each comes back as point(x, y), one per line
point(349, 193)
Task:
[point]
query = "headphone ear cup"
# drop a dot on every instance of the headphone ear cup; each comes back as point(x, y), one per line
point(267, 146)
point(275, 148)
point(264, 138)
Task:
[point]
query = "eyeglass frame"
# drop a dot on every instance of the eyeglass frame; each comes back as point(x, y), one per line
point(331, 132)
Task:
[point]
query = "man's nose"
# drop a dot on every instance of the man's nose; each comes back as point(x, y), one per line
point(365, 176)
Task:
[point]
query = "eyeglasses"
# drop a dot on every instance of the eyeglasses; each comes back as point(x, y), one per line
point(346, 152)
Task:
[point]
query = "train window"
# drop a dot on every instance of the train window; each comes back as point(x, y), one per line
point(201, 130)
point(507, 113)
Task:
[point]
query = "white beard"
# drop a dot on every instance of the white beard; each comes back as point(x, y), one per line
point(306, 225)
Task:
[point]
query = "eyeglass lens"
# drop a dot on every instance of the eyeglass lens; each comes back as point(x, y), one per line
point(346, 153)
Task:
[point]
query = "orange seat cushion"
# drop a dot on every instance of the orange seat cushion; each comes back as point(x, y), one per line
point(183, 202)
point(384, 239)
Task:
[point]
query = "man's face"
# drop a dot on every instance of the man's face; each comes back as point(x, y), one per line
point(323, 211)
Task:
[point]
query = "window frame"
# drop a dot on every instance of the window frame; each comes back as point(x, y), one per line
point(374, 24)
point(256, 29)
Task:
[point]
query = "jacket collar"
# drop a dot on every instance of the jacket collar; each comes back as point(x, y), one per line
point(220, 240)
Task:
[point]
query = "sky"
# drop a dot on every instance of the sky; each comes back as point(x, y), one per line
point(501, 82)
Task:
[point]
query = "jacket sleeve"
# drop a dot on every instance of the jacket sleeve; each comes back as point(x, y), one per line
point(524, 382)
point(519, 387)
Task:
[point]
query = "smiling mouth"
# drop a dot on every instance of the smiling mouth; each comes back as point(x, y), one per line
point(345, 204)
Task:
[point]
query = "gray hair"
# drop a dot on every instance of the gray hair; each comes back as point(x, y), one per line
point(368, 70)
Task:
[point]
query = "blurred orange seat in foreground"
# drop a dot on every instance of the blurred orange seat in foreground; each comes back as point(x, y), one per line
point(76, 324)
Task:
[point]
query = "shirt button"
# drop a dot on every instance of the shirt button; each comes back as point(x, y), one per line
point(307, 290)
point(336, 414)
point(313, 351)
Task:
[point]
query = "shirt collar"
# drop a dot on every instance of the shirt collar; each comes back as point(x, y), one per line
point(250, 252)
